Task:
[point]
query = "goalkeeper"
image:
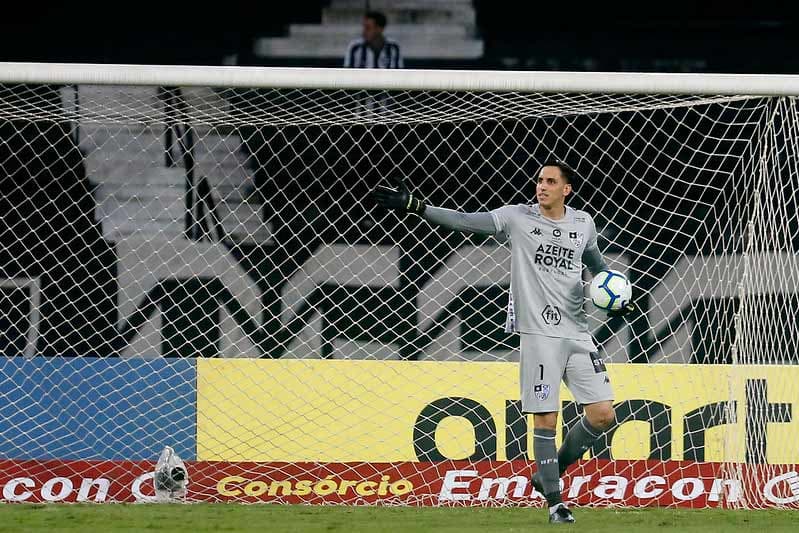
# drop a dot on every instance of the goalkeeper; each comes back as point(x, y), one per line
point(550, 243)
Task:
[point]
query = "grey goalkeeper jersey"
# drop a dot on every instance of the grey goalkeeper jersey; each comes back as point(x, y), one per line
point(546, 264)
point(547, 258)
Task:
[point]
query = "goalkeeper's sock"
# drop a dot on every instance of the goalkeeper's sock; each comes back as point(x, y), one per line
point(546, 457)
point(576, 442)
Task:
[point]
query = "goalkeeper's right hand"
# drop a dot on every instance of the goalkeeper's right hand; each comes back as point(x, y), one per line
point(625, 310)
point(400, 199)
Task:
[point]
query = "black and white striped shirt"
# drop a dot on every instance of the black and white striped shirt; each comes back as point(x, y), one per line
point(361, 55)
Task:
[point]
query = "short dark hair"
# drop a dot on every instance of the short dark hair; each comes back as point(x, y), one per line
point(377, 16)
point(568, 173)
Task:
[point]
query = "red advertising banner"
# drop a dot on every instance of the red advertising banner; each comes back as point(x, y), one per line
point(633, 483)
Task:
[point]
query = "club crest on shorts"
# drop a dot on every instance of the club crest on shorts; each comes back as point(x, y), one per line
point(576, 238)
point(541, 391)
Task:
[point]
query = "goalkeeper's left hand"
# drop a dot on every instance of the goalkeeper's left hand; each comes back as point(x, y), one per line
point(626, 309)
point(400, 199)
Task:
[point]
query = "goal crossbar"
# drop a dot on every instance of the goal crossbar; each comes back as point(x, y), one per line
point(406, 79)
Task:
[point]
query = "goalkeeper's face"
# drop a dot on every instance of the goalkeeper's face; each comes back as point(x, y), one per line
point(551, 188)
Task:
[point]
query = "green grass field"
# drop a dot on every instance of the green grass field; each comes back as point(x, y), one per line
point(229, 517)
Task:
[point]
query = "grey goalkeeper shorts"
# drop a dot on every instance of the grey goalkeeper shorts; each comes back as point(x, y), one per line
point(545, 361)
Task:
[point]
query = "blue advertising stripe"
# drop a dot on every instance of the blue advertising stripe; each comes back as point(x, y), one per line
point(92, 408)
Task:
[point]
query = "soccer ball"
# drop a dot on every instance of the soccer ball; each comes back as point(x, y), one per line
point(610, 290)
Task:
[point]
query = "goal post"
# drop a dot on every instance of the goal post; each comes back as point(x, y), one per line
point(190, 258)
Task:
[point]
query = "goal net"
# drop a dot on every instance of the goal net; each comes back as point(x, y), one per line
point(197, 264)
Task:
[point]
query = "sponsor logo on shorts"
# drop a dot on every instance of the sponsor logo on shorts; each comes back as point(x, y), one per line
point(599, 364)
point(551, 315)
point(541, 391)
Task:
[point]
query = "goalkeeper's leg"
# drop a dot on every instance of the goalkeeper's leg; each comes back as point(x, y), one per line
point(588, 381)
point(587, 378)
point(541, 367)
point(597, 418)
point(551, 465)
point(547, 476)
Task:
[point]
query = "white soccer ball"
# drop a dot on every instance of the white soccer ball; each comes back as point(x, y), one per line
point(610, 290)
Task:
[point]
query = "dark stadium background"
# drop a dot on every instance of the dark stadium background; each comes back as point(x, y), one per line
point(702, 36)
point(51, 188)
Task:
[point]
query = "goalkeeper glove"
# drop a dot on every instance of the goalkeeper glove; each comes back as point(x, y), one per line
point(399, 198)
point(626, 309)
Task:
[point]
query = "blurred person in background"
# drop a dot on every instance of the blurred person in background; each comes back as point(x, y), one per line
point(373, 49)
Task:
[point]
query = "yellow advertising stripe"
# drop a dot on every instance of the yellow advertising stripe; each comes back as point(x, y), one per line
point(350, 411)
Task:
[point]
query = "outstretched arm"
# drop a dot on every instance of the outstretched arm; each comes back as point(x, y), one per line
point(481, 223)
point(403, 200)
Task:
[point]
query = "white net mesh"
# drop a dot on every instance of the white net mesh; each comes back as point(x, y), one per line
point(204, 269)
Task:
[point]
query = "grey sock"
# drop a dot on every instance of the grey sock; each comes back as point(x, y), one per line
point(576, 442)
point(546, 457)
